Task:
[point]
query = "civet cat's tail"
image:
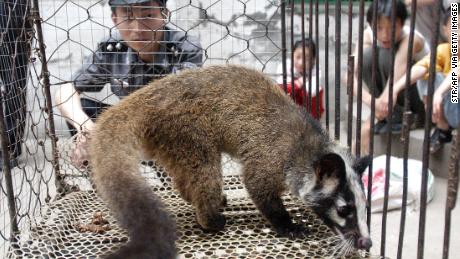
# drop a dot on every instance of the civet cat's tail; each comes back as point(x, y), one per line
point(115, 172)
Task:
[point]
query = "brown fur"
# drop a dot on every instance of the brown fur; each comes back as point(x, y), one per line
point(185, 121)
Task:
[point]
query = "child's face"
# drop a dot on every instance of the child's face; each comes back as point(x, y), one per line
point(384, 31)
point(141, 27)
point(298, 62)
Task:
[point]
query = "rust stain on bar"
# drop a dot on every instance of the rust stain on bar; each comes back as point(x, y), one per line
point(350, 27)
point(405, 132)
point(452, 190)
point(351, 71)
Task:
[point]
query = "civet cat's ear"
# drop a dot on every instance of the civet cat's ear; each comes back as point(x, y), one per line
point(361, 164)
point(329, 165)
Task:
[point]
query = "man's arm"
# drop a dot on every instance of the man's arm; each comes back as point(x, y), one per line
point(68, 102)
point(401, 57)
point(366, 96)
point(400, 65)
point(91, 77)
point(69, 105)
point(417, 73)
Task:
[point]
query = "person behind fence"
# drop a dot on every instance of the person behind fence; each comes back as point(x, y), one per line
point(420, 74)
point(383, 67)
point(299, 72)
point(425, 15)
point(143, 49)
point(15, 46)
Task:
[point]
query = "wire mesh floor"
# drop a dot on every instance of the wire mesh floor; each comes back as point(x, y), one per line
point(61, 232)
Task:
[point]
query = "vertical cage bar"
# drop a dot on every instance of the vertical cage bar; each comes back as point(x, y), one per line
point(7, 169)
point(351, 71)
point(283, 43)
point(338, 10)
point(405, 132)
point(292, 51)
point(326, 62)
point(350, 76)
point(426, 139)
point(359, 94)
point(317, 60)
point(375, 58)
point(389, 123)
point(350, 27)
point(45, 75)
point(310, 36)
point(304, 62)
point(452, 190)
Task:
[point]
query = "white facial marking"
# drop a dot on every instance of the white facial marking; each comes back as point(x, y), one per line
point(329, 185)
point(354, 186)
point(360, 201)
point(332, 212)
point(340, 202)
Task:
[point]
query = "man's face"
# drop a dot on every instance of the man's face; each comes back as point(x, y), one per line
point(384, 31)
point(141, 26)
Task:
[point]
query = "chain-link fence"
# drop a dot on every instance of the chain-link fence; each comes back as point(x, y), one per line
point(61, 57)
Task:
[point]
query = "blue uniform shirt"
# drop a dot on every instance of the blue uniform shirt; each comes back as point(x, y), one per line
point(115, 63)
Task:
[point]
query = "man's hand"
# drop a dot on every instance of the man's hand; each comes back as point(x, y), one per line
point(381, 105)
point(79, 154)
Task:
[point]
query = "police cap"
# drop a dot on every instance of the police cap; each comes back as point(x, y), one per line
point(130, 2)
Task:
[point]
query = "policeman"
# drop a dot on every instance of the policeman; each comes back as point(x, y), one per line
point(141, 49)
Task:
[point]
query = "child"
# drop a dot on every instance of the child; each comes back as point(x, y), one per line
point(299, 72)
point(420, 73)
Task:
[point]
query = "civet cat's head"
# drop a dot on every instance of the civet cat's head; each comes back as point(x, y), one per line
point(335, 192)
